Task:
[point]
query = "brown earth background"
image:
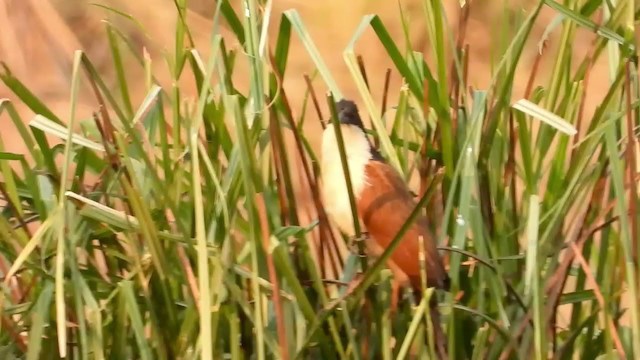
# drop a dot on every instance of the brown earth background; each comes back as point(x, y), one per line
point(39, 38)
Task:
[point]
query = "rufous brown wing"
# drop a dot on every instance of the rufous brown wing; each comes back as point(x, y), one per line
point(384, 205)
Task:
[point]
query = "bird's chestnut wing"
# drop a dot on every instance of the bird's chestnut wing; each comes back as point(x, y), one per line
point(384, 205)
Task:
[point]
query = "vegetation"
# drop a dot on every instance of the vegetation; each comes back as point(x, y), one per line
point(191, 244)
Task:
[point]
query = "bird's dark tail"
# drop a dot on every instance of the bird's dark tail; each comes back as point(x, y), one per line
point(439, 337)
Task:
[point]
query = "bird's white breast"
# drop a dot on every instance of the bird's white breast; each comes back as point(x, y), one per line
point(334, 189)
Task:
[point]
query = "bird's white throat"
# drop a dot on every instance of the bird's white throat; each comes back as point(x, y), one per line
point(334, 187)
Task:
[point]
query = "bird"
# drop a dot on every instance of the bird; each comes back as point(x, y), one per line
point(383, 202)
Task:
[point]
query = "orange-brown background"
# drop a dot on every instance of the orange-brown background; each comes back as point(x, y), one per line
point(39, 37)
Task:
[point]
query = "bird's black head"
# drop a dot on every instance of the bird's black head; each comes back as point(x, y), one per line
point(348, 113)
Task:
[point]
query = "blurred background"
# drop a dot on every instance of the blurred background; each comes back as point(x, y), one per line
point(39, 38)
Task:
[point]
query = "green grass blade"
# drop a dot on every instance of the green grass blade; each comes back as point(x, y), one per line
point(39, 317)
point(126, 292)
point(532, 284)
point(296, 22)
point(352, 63)
point(617, 174)
point(61, 316)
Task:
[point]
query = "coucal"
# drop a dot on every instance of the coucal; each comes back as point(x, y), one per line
point(384, 202)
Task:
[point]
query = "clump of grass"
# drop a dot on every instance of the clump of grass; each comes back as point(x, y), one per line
point(191, 244)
